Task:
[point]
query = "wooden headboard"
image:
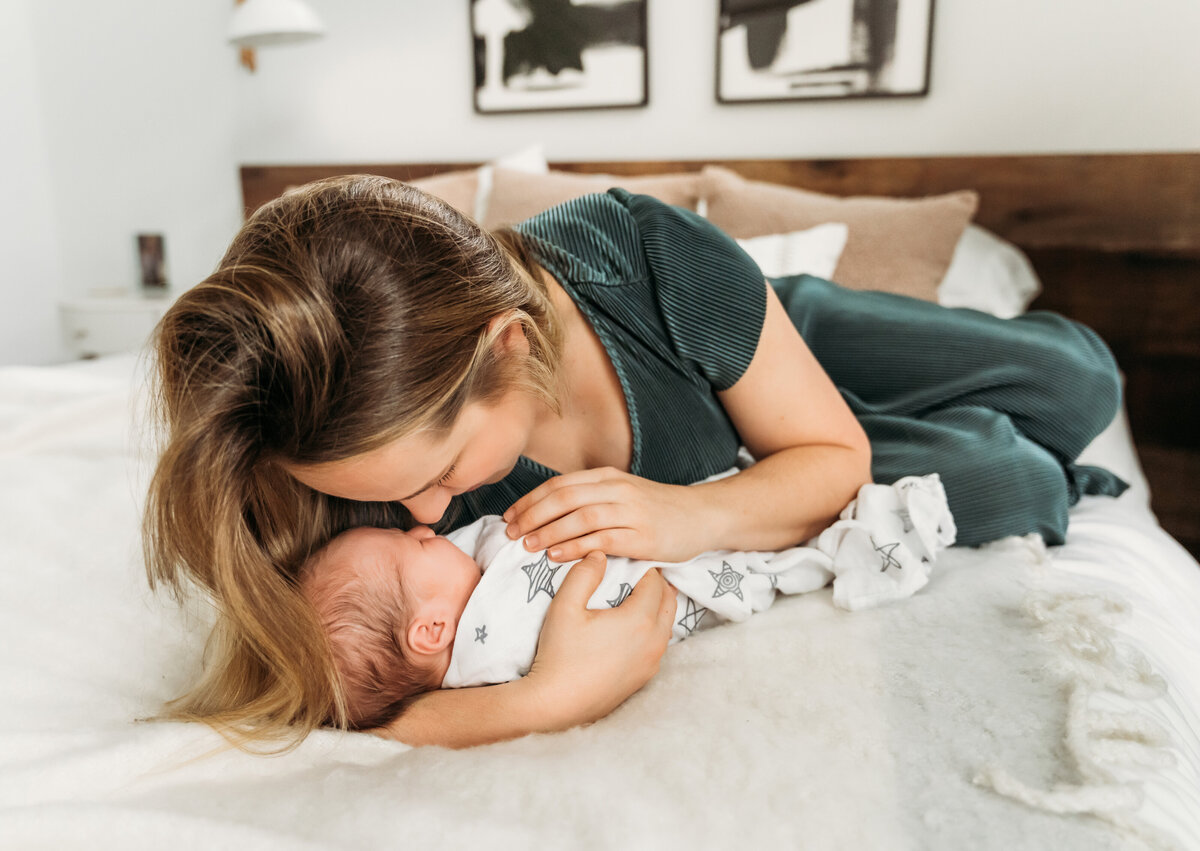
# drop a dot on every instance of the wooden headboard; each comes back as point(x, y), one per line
point(1115, 239)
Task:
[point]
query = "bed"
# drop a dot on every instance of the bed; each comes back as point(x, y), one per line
point(1026, 698)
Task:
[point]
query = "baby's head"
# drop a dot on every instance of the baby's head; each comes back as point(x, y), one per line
point(389, 602)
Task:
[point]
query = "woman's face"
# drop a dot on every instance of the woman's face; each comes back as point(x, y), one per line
point(424, 470)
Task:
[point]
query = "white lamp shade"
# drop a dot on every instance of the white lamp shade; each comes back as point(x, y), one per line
point(258, 23)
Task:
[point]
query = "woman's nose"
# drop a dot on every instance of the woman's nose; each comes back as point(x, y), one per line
point(428, 507)
point(421, 532)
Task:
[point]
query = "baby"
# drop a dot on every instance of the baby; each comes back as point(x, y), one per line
point(408, 612)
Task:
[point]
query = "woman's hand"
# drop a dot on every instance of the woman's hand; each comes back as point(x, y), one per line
point(589, 661)
point(608, 510)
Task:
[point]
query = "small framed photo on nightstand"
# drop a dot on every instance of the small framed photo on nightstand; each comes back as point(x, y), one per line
point(152, 260)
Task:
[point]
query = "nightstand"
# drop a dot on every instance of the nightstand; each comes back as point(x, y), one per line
point(110, 321)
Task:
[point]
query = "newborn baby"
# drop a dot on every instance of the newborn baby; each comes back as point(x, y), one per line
point(407, 612)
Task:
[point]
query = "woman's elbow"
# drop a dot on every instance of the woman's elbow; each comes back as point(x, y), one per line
point(859, 447)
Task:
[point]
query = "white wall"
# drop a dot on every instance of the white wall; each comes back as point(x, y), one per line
point(32, 274)
point(132, 115)
point(392, 82)
point(118, 119)
point(136, 102)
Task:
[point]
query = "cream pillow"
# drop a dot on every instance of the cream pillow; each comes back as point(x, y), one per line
point(456, 188)
point(898, 245)
point(518, 195)
point(468, 190)
point(815, 251)
point(531, 160)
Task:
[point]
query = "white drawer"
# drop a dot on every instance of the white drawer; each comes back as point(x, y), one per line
point(101, 326)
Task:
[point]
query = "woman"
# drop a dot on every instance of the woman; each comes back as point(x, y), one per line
point(365, 353)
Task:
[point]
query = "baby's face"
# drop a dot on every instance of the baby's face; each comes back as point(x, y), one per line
point(430, 569)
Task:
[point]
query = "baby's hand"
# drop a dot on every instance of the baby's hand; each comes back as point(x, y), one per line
point(589, 661)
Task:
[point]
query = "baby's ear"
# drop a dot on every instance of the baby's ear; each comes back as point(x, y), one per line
point(430, 635)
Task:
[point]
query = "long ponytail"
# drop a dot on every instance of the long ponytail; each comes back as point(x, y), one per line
point(345, 314)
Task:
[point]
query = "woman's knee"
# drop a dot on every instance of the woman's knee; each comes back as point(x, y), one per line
point(1082, 356)
point(1081, 378)
point(1004, 484)
point(1095, 376)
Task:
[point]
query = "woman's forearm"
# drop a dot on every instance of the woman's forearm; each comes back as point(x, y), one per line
point(782, 500)
point(462, 718)
point(812, 452)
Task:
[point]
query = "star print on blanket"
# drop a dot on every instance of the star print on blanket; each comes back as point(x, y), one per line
point(692, 616)
point(881, 548)
point(729, 581)
point(889, 560)
point(625, 591)
point(541, 577)
point(884, 543)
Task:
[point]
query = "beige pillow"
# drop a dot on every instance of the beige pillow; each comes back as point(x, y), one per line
point(518, 195)
point(456, 188)
point(900, 245)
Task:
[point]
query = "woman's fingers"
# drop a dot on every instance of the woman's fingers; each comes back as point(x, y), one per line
point(588, 662)
point(589, 527)
point(647, 595)
point(605, 540)
point(559, 495)
point(582, 581)
point(550, 485)
point(667, 608)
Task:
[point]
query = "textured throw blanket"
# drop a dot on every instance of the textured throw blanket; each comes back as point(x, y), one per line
point(806, 726)
point(881, 549)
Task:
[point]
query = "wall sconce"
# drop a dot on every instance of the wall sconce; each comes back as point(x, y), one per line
point(262, 23)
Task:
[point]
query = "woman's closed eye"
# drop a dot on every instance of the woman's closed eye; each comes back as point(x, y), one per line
point(446, 477)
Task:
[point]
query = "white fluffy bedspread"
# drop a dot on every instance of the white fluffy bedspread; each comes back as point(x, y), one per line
point(806, 726)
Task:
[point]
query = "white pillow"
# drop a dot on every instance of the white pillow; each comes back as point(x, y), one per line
point(531, 160)
point(989, 274)
point(814, 251)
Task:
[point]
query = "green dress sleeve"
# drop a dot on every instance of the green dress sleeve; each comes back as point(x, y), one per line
point(712, 296)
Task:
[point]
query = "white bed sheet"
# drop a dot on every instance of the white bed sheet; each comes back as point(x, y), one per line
point(804, 725)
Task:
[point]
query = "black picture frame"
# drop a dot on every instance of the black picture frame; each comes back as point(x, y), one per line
point(550, 55)
point(773, 51)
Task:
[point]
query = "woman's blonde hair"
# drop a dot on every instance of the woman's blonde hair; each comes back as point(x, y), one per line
point(345, 314)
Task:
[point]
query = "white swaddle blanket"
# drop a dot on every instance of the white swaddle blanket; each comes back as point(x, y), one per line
point(881, 548)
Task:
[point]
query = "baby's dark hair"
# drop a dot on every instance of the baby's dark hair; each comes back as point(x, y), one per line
point(364, 623)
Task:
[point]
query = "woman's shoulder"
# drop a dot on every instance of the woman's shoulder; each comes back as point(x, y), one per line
point(593, 239)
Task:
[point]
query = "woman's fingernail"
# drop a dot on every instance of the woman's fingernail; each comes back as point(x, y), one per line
point(555, 553)
point(531, 542)
point(512, 531)
point(507, 516)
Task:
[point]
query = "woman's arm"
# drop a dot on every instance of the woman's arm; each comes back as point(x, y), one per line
point(588, 662)
point(813, 455)
point(812, 458)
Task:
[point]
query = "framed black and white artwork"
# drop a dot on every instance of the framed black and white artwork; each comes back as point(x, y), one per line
point(534, 55)
point(778, 50)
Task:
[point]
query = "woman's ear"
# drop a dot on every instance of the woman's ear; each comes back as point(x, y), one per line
point(430, 634)
point(511, 339)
